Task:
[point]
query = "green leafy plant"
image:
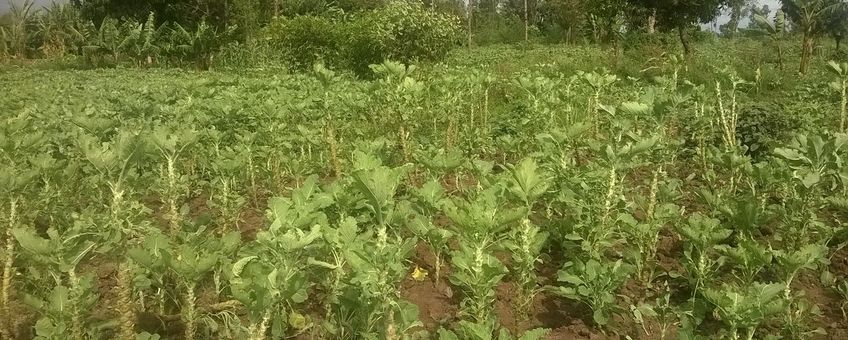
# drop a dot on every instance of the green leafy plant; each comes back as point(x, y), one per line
point(428, 201)
point(113, 161)
point(843, 292)
point(479, 221)
point(171, 146)
point(200, 44)
point(702, 237)
point(594, 283)
point(59, 256)
point(378, 260)
point(487, 331)
point(745, 307)
point(748, 258)
point(527, 183)
point(17, 176)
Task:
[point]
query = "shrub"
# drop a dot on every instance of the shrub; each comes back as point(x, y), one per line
point(763, 125)
point(304, 40)
point(401, 31)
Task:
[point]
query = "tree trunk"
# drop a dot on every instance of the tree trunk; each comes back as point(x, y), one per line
point(684, 40)
point(470, 11)
point(526, 23)
point(779, 55)
point(652, 22)
point(806, 51)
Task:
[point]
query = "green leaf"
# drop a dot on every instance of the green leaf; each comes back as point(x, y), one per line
point(534, 334)
point(33, 243)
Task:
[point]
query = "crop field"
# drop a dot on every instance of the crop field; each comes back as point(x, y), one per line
point(500, 194)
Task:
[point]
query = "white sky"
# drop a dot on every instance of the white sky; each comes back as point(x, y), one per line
point(4, 4)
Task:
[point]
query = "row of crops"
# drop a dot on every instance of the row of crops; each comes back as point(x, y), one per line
point(447, 204)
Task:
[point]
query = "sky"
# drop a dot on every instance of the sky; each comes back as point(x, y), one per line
point(4, 4)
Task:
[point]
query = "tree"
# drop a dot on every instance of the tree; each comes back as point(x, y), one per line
point(810, 17)
point(567, 14)
point(15, 37)
point(738, 9)
point(837, 26)
point(755, 11)
point(773, 30)
point(680, 15)
point(605, 19)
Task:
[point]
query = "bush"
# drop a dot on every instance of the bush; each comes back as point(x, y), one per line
point(305, 40)
point(401, 31)
point(764, 125)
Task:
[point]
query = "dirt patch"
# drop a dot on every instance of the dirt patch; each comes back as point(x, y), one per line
point(437, 305)
point(828, 301)
point(251, 221)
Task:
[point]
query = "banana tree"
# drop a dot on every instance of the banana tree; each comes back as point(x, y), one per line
point(142, 40)
point(774, 30)
point(17, 34)
point(811, 17)
point(107, 40)
point(200, 44)
point(56, 28)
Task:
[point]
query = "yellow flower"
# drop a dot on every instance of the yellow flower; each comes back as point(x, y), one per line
point(419, 274)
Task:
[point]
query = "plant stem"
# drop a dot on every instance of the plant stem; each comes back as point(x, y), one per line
point(335, 163)
point(77, 325)
point(127, 317)
point(257, 331)
point(190, 312)
point(173, 212)
point(438, 265)
point(844, 107)
point(8, 269)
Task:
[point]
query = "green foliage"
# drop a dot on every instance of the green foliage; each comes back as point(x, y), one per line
point(594, 283)
point(400, 31)
point(745, 307)
point(306, 40)
point(517, 161)
point(764, 125)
